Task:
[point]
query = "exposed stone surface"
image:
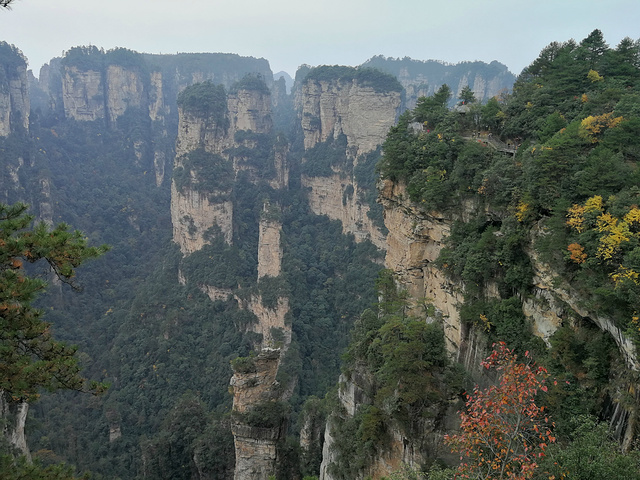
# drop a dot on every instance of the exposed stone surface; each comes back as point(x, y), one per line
point(546, 280)
point(362, 114)
point(269, 319)
point(328, 197)
point(250, 110)
point(195, 132)
point(124, 89)
point(83, 94)
point(256, 452)
point(413, 244)
point(216, 293)
point(258, 384)
point(269, 248)
point(255, 447)
point(14, 101)
point(192, 214)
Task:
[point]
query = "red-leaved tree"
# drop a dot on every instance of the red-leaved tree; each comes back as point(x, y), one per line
point(503, 431)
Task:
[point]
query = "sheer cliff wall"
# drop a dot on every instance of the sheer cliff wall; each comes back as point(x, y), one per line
point(331, 108)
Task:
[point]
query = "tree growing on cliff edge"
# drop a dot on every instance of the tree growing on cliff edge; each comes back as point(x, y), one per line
point(504, 432)
point(30, 358)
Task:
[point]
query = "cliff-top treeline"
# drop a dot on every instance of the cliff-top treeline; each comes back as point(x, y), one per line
point(521, 213)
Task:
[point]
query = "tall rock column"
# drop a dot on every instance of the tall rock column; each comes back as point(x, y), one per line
point(202, 178)
point(337, 102)
point(258, 424)
point(14, 91)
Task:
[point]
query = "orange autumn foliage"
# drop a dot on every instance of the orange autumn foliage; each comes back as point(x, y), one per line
point(503, 430)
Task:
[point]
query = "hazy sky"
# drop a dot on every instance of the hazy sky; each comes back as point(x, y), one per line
point(289, 33)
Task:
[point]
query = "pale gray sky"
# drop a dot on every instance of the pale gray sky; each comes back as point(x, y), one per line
point(289, 33)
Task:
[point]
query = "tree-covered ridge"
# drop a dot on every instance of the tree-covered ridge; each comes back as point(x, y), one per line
point(93, 58)
point(216, 63)
point(432, 68)
point(205, 100)
point(365, 77)
point(11, 59)
point(546, 175)
point(253, 82)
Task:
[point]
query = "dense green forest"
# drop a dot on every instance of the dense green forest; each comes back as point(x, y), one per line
point(549, 168)
point(164, 349)
point(551, 172)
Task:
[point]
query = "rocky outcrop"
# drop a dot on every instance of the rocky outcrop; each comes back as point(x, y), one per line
point(250, 110)
point(125, 88)
point(83, 94)
point(331, 108)
point(337, 197)
point(269, 247)
point(271, 322)
point(193, 214)
point(14, 94)
point(413, 244)
point(423, 78)
point(14, 416)
point(196, 132)
point(253, 384)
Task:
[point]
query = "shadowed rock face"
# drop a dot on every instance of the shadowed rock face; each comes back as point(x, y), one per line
point(14, 100)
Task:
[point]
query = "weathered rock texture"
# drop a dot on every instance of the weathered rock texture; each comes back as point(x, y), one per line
point(83, 94)
point(423, 78)
point(331, 108)
point(192, 214)
point(255, 447)
point(328, 196)
point(14, 98)
point(14, 417)
point(250, 110)
point(414, 242)
point(125, 88)
point(269, 248)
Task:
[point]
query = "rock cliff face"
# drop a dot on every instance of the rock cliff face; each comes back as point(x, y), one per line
point(423, 78)
point(331, 108)
point(125, 88)
point(337, 107)
point(414, 242)
point(83, 94)
point(195, 212)
point(250, 110)
point(14, 96)
point(329, 196)
point(255, 446)
point(234, 136)
point(269, 248)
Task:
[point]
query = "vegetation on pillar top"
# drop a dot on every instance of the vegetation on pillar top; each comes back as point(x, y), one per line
point(380, 81)
point(205, 100)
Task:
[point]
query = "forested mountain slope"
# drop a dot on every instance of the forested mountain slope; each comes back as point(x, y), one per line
point(512, 221)
point(246, 240)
